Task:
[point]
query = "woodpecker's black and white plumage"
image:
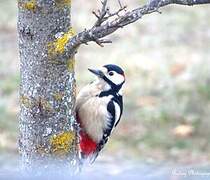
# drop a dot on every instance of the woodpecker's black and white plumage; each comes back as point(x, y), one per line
point(99, 107)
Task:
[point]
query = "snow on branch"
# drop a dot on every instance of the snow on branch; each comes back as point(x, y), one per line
point(108, 22)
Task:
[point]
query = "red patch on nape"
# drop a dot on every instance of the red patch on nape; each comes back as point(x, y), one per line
point(87, 145)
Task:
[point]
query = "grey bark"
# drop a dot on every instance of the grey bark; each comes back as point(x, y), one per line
point(47, 90)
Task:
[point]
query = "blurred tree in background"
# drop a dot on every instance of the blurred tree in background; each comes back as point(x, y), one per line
point(167, 95)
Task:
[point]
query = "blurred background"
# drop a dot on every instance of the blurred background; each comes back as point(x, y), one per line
point(166, 59)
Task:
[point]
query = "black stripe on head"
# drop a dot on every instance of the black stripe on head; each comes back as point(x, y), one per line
point(113, 67)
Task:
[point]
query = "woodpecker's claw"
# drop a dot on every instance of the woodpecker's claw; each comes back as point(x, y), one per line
point(98, 73)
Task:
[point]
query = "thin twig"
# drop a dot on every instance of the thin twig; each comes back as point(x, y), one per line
point(116, 13)
point(119, 2)
point(101, 13)
point(100, 42)
point(106, 25)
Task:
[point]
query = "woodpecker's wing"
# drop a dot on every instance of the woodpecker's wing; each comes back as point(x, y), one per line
point(115, 109)
point(119, 107)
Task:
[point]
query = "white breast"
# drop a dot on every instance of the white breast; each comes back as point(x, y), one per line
point(94, 116)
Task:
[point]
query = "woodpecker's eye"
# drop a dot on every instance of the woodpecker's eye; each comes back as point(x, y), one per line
point(111, 73)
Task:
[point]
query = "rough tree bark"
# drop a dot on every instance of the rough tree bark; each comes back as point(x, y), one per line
point(47, 48)
point(47, 91)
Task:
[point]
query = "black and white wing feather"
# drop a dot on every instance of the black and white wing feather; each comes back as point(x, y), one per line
point(114, 107)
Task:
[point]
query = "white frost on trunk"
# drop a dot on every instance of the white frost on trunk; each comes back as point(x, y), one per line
point(47, 90)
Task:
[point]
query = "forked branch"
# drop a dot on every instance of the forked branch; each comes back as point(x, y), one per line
point(104, 14)
point(108, 22)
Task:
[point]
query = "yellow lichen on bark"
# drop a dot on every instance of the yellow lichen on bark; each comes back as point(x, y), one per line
point(62, 3)
point(25, 101)
point(30, 5)
point(58, 96)
point(31, 102)
point(61, 144)
point(45, 105)
point(58, 46)
point(71, 64)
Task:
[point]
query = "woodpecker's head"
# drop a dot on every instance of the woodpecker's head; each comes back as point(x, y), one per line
point(111, 75)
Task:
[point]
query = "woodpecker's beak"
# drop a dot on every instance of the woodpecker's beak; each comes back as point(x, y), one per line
point(98, 73)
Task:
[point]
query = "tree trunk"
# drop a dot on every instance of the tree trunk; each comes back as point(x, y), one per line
point(47, 91)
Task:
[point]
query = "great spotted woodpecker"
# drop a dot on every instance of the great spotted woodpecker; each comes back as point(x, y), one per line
point(99, 107)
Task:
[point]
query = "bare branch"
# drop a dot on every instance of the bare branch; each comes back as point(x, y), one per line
point(120, 4)
point(106, 25)
point(97, 16)
point(100, 42)
point(117, 12)
point(102, 13)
